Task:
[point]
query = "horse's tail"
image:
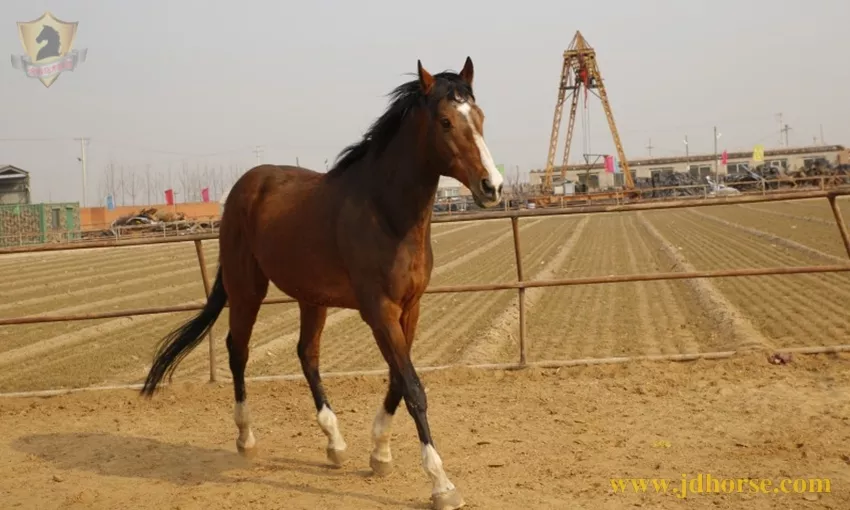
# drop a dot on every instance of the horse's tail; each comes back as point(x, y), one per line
point(180, 342)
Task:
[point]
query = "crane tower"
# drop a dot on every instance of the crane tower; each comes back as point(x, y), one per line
point(580, 72)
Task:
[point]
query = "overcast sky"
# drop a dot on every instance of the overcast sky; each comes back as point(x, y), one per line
point(171, 81)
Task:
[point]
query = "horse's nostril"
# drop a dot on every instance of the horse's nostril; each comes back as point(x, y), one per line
point(500, 189)
point(487, 186)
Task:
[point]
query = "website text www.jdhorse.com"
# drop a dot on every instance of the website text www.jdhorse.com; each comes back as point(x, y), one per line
point(708, 484)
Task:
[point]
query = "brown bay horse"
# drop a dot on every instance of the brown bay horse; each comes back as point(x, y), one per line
point(356, 237)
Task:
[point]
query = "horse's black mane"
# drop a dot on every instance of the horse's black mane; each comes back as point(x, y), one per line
point(404, 99)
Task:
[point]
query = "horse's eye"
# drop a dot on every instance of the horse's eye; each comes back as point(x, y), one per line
point(446, 123)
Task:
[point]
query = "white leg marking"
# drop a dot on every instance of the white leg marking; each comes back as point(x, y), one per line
point(328, 422)
point(242, 417)
point(381, 435)
point(434, 467)
point(486, 157)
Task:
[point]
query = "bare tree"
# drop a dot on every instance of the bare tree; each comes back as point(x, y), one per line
point(148, 183)
point(185, 181)
point(101, 191)
point(132, 185)
point(110, 181)
point(519, 189)
point(123, 187)
point(160, 185)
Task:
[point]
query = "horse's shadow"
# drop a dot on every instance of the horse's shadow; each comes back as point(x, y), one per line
point(182, 464)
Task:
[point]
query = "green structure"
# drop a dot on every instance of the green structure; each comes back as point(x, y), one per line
point(23, 224)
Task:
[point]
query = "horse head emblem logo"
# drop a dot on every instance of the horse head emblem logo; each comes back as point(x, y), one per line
point(47, 42)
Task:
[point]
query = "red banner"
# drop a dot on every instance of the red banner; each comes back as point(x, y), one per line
point(205, 194)
point(725, 158)
point(169, 196)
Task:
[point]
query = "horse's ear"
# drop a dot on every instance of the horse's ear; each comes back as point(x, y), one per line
point(426, 81)
point(467, 72)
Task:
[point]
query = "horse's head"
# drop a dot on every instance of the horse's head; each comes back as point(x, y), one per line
point(47, 33)
point(457, 133)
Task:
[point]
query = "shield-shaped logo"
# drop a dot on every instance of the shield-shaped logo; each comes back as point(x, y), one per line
point(48, 42)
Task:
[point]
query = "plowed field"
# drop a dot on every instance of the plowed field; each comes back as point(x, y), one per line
point(567, 322)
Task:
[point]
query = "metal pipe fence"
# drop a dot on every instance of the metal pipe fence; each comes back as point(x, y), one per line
point(520, 285)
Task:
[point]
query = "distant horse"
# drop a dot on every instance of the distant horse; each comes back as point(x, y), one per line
point(357, 237)
point(51, 49)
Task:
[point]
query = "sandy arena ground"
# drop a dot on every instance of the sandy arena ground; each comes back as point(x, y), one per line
point(534, 439)
point(531, 439)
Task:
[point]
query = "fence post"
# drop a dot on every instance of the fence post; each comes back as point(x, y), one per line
point(518, 253)
point(202, 262)
point(840, 221)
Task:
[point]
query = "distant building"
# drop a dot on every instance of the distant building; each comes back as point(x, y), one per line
point(698, 166)
point(451, 188)
point(14, 185)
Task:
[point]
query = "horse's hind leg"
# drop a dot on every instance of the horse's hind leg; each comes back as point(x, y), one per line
point(381, 458)
point(312, 324)
point(243, 314)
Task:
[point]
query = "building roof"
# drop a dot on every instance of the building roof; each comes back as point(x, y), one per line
point(448, 182)
point(698, 158)
point(12, 172)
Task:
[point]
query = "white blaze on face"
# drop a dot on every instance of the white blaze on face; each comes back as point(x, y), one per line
point(486, 159)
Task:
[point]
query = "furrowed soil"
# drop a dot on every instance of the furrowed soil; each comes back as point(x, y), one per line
point(583, 321)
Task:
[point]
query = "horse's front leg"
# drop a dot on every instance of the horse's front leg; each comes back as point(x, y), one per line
point(384, 317)
point(381, 458)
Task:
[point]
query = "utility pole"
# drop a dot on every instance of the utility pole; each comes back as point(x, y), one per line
point(650, 147)
point(785, 130)
point(82, 159)
point(779, 116)
point(716, 171)
point(687, 153)
point(258, 150)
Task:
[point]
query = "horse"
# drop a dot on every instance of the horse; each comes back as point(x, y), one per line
point(51, 49)
point(357, 236)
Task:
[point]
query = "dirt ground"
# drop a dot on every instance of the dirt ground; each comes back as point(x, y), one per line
point(509, 440)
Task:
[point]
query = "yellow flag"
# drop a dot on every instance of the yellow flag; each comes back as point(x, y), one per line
point(758, 153)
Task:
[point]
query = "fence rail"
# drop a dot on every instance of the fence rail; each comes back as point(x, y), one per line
point(520, 285)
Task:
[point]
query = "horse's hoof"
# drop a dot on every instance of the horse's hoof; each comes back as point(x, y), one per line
point(337, 457)
point(379, 467)
point(248, 453)
point(449, 500)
